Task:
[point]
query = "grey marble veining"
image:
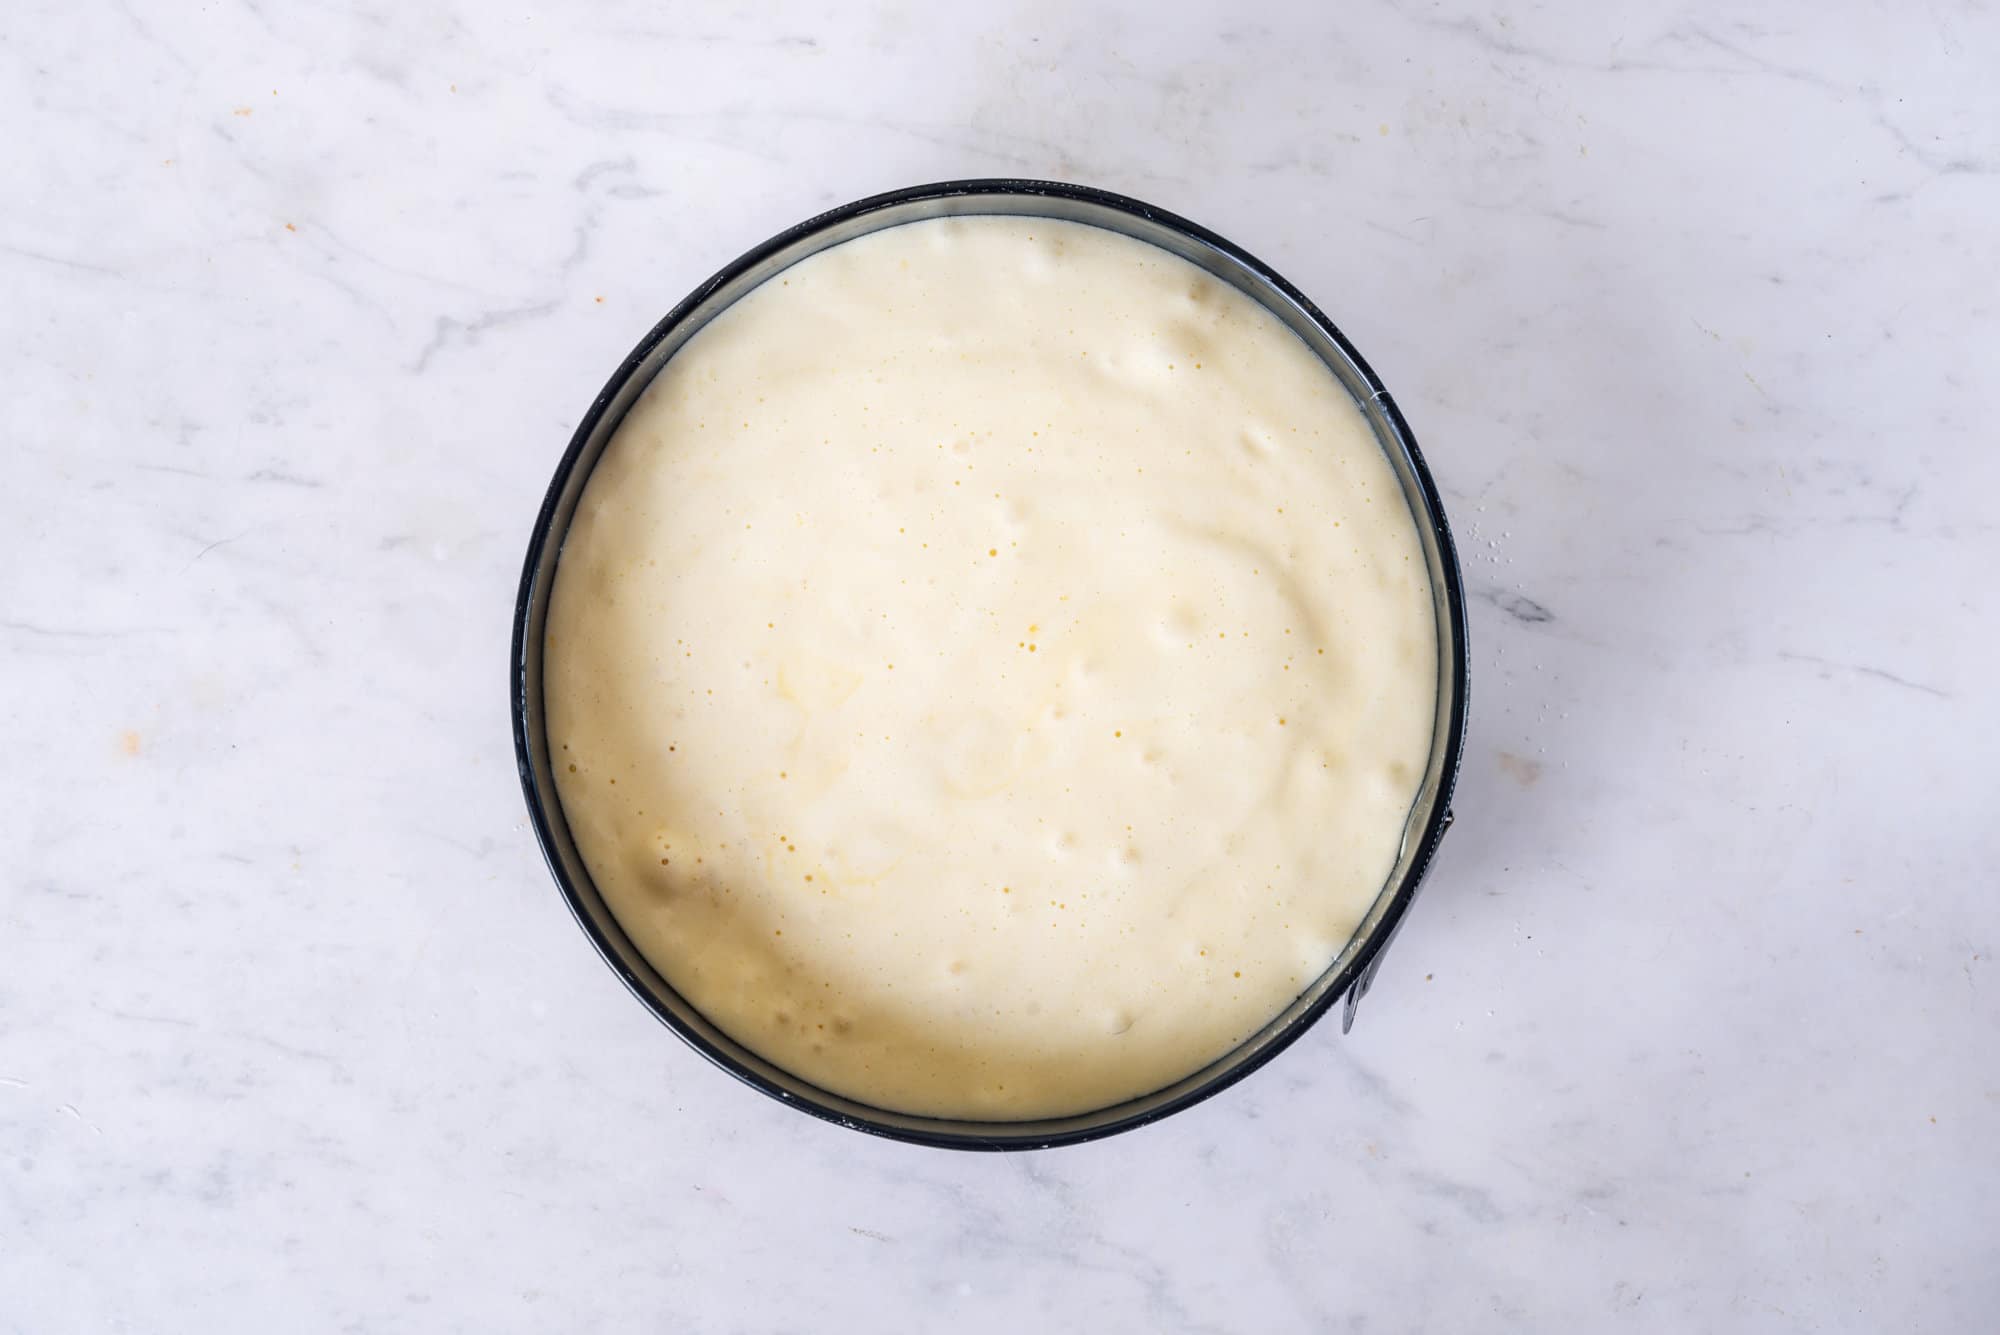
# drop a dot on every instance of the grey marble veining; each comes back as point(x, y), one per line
point(1694, 310)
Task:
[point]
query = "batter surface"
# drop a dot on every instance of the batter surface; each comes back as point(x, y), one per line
point(989, 672)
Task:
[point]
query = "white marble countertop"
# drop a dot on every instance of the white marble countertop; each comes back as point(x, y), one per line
point(1697, 1026)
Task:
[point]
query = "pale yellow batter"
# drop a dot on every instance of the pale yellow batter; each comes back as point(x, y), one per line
point(989, 672)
